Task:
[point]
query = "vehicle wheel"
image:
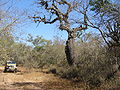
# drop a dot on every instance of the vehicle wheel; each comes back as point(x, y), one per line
point(15, 71)
point(5, 70)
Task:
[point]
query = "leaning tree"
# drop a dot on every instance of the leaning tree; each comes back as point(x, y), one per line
point(64, 12)
point(107, 20)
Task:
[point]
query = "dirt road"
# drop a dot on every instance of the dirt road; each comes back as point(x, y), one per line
point(33, 80)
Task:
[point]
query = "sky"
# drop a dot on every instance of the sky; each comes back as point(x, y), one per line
point(47, 31)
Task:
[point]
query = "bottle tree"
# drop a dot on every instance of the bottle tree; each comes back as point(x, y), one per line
point(64, 12)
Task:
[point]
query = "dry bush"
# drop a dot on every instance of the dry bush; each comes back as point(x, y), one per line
point(94, 65)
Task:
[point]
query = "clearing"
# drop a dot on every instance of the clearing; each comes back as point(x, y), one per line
point(34, 80)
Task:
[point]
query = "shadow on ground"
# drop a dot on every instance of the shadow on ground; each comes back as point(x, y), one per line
point(42, 85)
point(33, 84)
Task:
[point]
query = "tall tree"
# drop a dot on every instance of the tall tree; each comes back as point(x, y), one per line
point(6, 26)
point(107, 21)
point(9, 19)
point(107, 14)
point(64, 12)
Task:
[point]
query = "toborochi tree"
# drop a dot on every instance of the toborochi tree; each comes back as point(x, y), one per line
point(64, 12)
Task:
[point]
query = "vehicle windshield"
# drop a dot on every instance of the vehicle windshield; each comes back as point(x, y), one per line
point(11, 62)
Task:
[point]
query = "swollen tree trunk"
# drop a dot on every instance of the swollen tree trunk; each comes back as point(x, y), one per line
point(64, 21)
point(69, 48)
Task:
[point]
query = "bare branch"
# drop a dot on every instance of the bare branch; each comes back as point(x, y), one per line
point(44, 20)
point(9, 25)
point(79, 28)
point(64, 27)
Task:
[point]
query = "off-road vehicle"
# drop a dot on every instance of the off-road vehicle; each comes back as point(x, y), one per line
point(10, 66)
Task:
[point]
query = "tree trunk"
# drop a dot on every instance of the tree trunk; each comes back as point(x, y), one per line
point(69, 48)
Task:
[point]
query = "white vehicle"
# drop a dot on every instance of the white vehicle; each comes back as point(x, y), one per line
point(10, 66)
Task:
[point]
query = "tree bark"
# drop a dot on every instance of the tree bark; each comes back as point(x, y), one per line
point(70, 49)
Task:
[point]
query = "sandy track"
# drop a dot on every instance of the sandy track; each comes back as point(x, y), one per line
point(32, 80)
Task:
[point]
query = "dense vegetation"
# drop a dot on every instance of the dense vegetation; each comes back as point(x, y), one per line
point(98, 58)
